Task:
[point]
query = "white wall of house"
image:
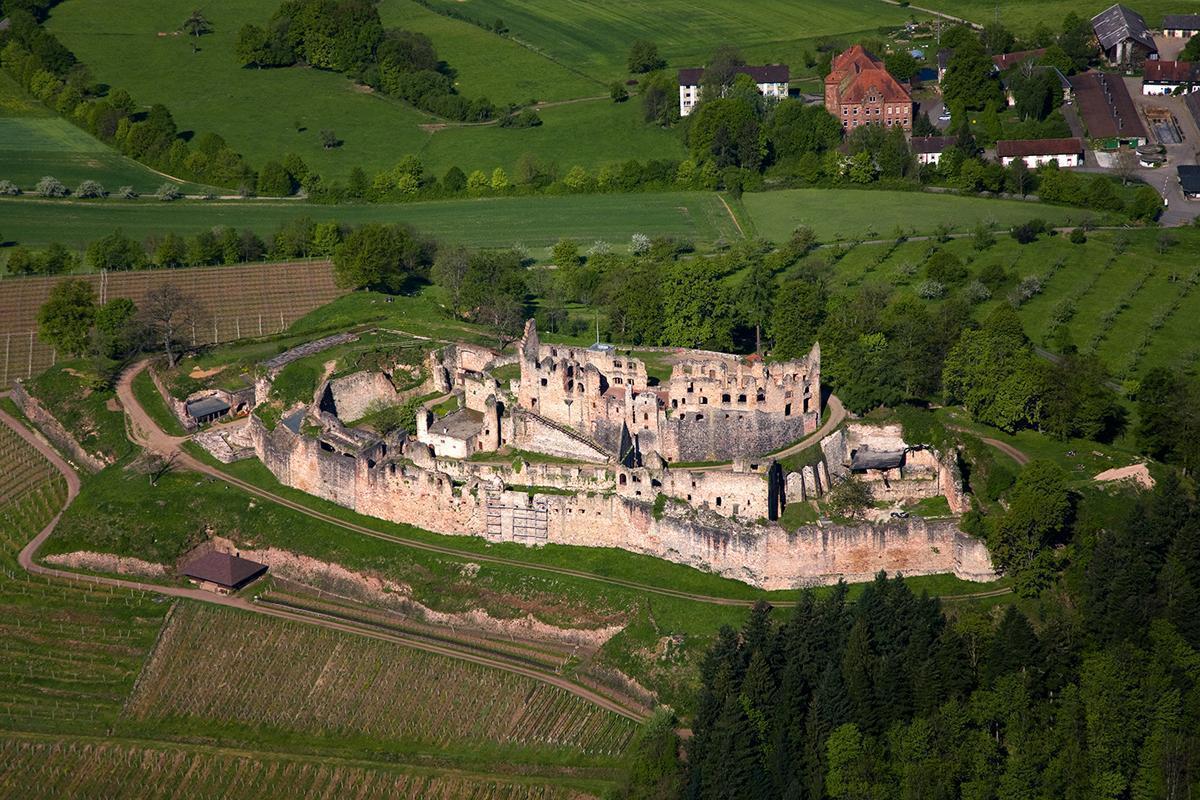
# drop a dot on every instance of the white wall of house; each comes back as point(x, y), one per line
point(689, 96)
point(1179, 33)
point(1033, 162)
point(1168, 88)
point(929, 158)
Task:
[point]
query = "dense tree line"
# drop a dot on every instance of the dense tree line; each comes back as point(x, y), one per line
point(887, 697)
point(348, 36)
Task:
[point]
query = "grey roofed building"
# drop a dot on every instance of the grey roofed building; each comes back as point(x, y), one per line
point(207, 409)
point(932, 144)
point(1189, 179)
point(1183, 24)
point(223, 570)
point(1124, 36)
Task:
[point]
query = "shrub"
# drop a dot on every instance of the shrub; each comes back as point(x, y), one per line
point(168, 192)
point(1028, 231)
point(50, 186)
point(1078, 236)
point(9, 188)
point(978, 292)
point(945, 268)
point(931, 290)
point(639, 244)
point(127, 193)
point(1029, 287)
point(90, 189)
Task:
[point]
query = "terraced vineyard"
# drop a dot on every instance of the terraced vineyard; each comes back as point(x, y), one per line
point(68, 653)
point(239, 301)
point(273, 676)
point(78, 769)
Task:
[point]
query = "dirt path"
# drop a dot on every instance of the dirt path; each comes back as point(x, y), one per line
point(837, 413)
point(27, 560)
point(1004, 447)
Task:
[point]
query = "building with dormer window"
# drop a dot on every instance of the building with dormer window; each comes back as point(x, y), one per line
point(860, 91)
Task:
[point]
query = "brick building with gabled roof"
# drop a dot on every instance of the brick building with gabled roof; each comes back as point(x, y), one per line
point(860, 91)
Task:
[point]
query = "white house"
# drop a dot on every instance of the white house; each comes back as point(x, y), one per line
point(1167, 77)
point(929, 149)
point(1038, 152)
point(772, 82)
point(1181, 26)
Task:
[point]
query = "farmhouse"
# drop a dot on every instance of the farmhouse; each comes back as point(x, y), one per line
point(1107, 109)
point(1181, 26)
point(860, 91)
point(1123, 37)
point(1170, 77)
point(1189, 180)
point(222, 573)
point(929, 149)
point(771, 80)
point(1037, 152)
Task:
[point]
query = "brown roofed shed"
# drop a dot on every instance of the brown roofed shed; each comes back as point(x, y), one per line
point(223, 572)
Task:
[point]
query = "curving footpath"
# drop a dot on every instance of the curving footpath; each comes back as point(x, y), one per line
point(26, 558)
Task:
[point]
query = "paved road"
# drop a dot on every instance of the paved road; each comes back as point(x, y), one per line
point(27, 560)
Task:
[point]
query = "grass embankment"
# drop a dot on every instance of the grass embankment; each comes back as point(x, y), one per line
point(88, 410)
point(536, 222)
point(148, 397)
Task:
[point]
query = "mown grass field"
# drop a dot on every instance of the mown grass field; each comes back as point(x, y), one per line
point(844, 214)
point(35, 142)
point(536, 222)
point(1021, 17)
point(594, 37)
point(133, 44)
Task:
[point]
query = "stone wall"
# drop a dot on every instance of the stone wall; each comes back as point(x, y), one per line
point(717, 434)
point(177, 406)
point(350, 396)
point(534, 432)
point(54, 431)
point(760, 554)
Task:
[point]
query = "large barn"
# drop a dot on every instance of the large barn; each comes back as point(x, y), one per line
point(1124, 38)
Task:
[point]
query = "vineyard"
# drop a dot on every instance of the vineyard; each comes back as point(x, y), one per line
point(237, 302)
point(230, 668)
point(77, 770)
point(68, 653)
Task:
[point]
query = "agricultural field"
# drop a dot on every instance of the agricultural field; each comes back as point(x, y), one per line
point(35, 142)
point(844, 214)
point(594, 37)
point(135, 44)
point(1135, 308)
point(273, 677)
point(69, 653)
point(536, 222)
point(116, 770)
point(269, 297)
point(1022, 17)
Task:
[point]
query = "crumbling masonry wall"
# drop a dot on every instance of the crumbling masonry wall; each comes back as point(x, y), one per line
point(760, 554)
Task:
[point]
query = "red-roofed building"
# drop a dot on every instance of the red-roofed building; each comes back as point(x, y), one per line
point(860, 91)
point(1166, 77)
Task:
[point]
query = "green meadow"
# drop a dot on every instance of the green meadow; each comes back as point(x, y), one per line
point(35, 142)
point(593, 36)
point(267, 113)
point(844, 214)
point(535, 222)
point(1021, 16)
